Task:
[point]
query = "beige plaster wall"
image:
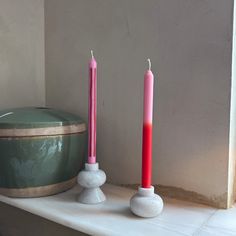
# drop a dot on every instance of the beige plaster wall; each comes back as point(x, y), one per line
point(189, 43)
point(21, 53)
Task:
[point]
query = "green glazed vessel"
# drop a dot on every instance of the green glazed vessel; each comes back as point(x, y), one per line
point(41, 151)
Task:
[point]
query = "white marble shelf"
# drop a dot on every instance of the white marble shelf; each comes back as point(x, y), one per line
point(113, 217)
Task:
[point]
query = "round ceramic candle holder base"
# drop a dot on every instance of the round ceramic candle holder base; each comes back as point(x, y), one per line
point(91, 178)
point(145, 203)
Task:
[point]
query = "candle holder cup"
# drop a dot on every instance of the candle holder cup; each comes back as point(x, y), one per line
point(91, 178)
point(145, 203)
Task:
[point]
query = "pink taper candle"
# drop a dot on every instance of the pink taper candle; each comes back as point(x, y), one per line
point(92, 110)
point(147, 128)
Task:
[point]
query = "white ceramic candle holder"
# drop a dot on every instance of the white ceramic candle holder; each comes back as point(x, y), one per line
point(145, 203)
point(91, 178)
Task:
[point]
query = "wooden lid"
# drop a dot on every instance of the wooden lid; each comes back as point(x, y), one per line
point(38, 121)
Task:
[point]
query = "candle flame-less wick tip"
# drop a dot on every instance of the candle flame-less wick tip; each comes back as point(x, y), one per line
point(92, 54)
point(149, 64)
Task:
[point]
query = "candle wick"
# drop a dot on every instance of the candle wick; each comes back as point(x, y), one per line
point(149, 64)
point(92, 54)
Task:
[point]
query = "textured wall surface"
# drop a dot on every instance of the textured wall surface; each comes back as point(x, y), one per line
point(189, 43)
point(191, 116)
point(22, 53)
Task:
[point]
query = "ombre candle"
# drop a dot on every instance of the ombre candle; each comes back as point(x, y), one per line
point(145, 203)
point(147, 128)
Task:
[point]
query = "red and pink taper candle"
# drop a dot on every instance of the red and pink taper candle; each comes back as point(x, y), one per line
point(92, 113)
point(147, 128)
point(145, 203)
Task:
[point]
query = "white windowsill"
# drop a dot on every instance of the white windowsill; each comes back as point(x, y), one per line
point(113, 217)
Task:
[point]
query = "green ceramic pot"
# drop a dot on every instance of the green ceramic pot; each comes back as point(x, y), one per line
point(41, 151)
